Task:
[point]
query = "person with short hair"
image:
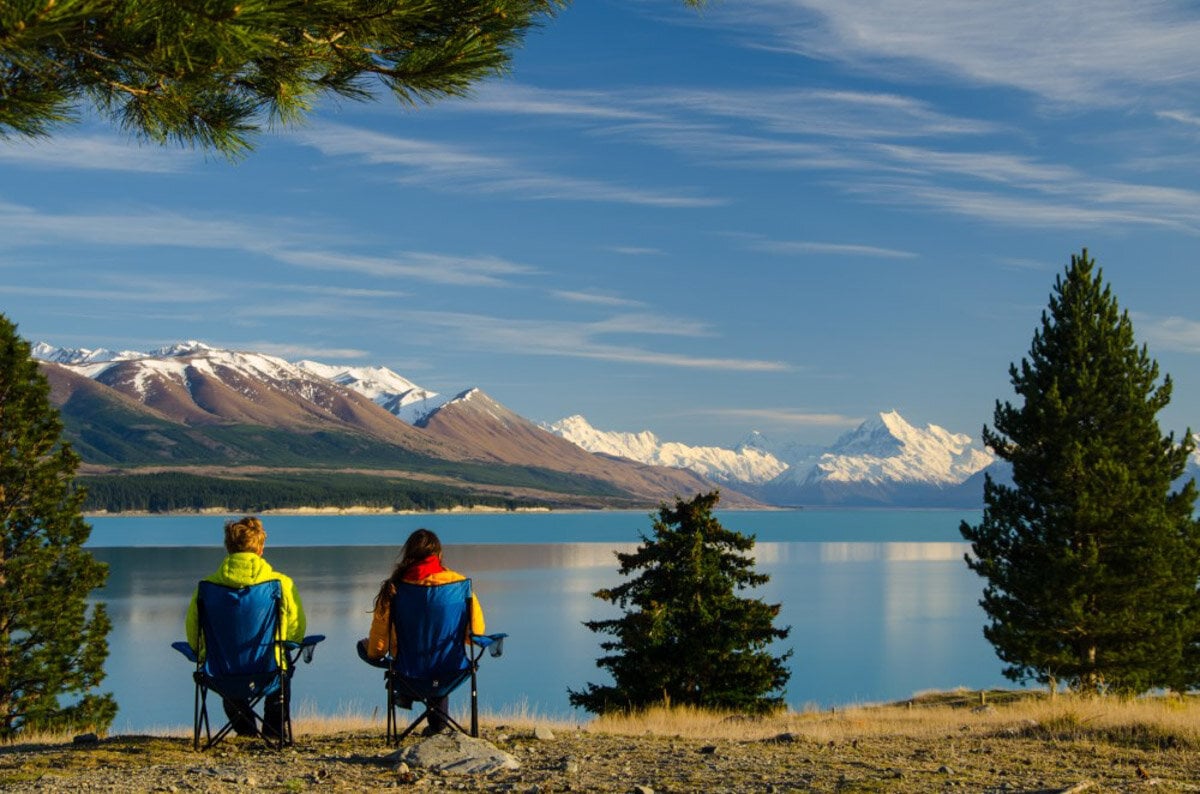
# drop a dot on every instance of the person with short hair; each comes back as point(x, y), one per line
point(420, 563)
point(244, 565)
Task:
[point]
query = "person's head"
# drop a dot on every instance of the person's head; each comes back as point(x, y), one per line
point(420, 546)
point(245, 534)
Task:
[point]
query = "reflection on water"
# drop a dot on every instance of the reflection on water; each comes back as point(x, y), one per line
point(870, 621)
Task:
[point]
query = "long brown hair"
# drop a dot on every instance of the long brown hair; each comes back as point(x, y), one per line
point(421, 544)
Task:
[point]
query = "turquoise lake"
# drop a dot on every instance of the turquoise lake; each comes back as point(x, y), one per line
point(880, 602)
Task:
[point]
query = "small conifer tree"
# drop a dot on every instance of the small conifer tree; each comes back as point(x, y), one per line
point(686, 637)
point(52, 651)
point(1091, 559)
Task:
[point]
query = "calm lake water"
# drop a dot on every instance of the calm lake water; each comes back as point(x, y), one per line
point(880, 602)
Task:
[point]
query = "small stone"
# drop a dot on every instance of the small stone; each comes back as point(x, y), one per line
point(642, 790)
point(543, 734)
point(945, 770)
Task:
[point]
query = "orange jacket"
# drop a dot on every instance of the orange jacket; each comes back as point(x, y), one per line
point(382, 640)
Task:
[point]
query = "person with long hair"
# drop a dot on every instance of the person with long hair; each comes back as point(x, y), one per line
point(244, 565)
point(420, 562)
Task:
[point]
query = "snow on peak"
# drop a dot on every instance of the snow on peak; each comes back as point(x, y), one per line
point(189, 348)
point(80, 355)
point(748, 465)
point(886, 448)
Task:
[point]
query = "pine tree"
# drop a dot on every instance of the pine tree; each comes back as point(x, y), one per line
point(209, 72)
point(1091, 559)
point(51, 651)
point(686, 637)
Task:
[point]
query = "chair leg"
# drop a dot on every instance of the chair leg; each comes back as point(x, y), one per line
point(198, 715)
point(474, 705)
point(391, 713)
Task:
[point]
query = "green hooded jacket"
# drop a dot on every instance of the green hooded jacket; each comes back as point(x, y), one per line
point(245, 568)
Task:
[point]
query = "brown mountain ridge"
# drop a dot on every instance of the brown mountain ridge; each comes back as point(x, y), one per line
point(200, 410)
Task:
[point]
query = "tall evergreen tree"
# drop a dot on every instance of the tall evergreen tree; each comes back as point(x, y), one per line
point(686, 636)
point(1091, 559)
point(51, 650)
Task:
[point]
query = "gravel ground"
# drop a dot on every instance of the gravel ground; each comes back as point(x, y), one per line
point(1018, 759)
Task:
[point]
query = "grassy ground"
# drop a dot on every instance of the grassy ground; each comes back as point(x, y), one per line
point(995, 742)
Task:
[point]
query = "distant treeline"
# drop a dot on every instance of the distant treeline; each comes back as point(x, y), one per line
point(173, 491)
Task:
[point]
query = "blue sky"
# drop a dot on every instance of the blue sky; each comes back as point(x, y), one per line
point(777, 215)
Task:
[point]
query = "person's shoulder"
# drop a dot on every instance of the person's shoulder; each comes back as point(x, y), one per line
point(444, 576)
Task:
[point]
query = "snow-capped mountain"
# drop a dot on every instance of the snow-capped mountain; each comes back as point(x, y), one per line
point(394, 393)
point(883, 461)
point(799, 457)
point(191, 404)
point(886, 448)
point(887, 461)
point(197, 385)
point(80, 355)
point(745, 465)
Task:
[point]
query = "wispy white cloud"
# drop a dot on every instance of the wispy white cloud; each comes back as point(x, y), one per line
point(1024, 210)
point(1099, 52)
point(95, 153)
point(781, 416)
point(446, 167)
point(571, 340)
point(133, 293)
point(859, 115)
point(295, 351)
point(478, 271)
point(281, 239)
point(338, 292)
point(1176, 334)
point(650, 324)
point(862, 140)
point(525, 100)
point(597, 298)
point(854, 115)
point(833, 249)
point(1181, 116)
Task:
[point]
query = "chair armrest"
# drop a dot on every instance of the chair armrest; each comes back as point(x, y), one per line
point(383, 662)
point(303, 649)
point(494, 643)
point(309, 646)
point(186, 650)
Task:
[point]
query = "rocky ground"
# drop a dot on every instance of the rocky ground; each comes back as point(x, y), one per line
point(985, 758)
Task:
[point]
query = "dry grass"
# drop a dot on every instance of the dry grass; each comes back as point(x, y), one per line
point(1168, 721)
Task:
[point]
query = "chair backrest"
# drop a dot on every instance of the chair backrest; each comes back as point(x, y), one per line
point(240, 627)
point(430, 622)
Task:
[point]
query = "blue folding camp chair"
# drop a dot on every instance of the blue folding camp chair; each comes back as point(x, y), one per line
point(242, 645)
point(433, 657)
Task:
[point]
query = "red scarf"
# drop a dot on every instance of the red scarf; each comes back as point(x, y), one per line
point(424, 569)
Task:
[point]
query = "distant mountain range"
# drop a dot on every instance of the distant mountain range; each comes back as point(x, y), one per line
point(190, 405)
point(884, 462)
point(194, 408)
